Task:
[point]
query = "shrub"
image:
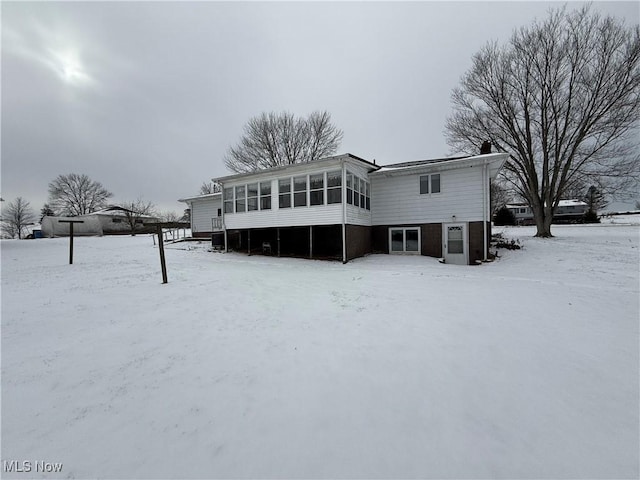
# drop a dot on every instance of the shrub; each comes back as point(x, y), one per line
point(590, 217)
point(504, 216)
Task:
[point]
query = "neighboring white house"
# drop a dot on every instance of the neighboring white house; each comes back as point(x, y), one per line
point(567, 211)
point(109, 221)
point(344, 207)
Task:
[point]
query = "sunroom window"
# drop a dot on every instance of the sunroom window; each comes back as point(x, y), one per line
point(252, 197)
point(334, 187)
point(316, 189)
point(240, 199)
point(300, 191)
point(284, 192)
point(228, 200)
point(265, 195)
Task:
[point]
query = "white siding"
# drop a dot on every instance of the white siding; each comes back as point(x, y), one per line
point(396, 200)
point(282, 217)
point(292, 216)
point(202, 211)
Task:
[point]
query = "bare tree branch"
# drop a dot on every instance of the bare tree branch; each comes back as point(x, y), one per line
point(16, 216)
point(563, 99)
point(75, 194)
point(272, 140)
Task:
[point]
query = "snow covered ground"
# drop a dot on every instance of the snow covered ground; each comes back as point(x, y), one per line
point(259, 367)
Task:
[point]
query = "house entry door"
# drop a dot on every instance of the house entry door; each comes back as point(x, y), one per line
point(455, 243)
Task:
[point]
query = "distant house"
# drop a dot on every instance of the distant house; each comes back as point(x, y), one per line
point(344, 207)
point(109, 221)
point(568, 211)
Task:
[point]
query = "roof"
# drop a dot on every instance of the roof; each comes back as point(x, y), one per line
point(415, 166)
point(200, 197)
point(344, 156)
point(561, 203)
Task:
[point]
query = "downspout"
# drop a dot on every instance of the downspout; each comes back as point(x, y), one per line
point(344, 213)
point(486, 206)
point(224, 225)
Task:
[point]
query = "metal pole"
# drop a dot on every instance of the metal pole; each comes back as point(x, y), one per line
point(71, 243)
point(162, 262)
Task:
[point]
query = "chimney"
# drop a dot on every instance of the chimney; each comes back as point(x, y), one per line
point(486, 147)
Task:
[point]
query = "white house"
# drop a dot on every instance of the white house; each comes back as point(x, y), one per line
point(108, 221)
point(567, 211)
point(344, 207)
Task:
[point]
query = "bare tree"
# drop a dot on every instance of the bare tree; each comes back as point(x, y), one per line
point(500, 196)
point(135, 212)
point(46, 211)
point(75, 194)
point(209, 187)
point(170, 217)
point(16, 216)
point(562, 98)
point(271, 140)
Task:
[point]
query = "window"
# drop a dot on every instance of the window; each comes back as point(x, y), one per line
point(116, 220)
point(240, 199)
point(368, 196)
point(316, 189)
point(265, 195)
point(356, 191)
point(404, 240)
point(334, 187)
point(252, 197)
point(435, 183)
point(362, 202)
point(455, 240)
point(430, 183)
point(300, 191)
point(228, 200)
point(284, 192)
point(349, 188)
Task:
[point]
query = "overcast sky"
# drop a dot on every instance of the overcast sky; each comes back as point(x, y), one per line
point(147, 97)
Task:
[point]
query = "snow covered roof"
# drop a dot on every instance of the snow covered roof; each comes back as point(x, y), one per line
point(561, 203)
point(200, 197)
point(344, 156)
point(494, 159)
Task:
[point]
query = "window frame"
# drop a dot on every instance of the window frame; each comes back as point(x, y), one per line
point(283, 195)
point(252, 199)
point(404, 250)
point(429, 183)
point(264, 198)
point(240, 200)
point(300, 194)
point(317, 190)
point(228, 201)
point(331, 189)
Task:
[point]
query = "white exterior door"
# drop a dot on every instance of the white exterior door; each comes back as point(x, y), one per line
point(454, 243)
